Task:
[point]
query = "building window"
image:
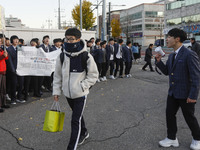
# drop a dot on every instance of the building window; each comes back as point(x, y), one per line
point(179, 4)
point(186, 20)
point(152, 26)
point(153, 14)
point(135, 28)
point(172, 22)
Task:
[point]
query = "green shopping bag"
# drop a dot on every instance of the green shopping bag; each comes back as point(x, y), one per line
point(54, 119)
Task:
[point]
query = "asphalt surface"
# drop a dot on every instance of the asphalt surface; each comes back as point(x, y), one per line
point(121, 114)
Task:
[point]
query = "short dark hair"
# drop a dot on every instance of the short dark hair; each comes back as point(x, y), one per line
point(21, 40)
point(193, 39)
point(7, 38)
point(150, 45)
point(92, 38)
point(178, 33)
point(102, 43)
point(97, 40)
point(115, 40)
point(2, 35)
point(111, 39)
point(73, 32)
point(13, 38)
point(120, 41)
point(57, 40)
point(128, 42)
point(46, 36)
point(89, 42)
point(33, 40)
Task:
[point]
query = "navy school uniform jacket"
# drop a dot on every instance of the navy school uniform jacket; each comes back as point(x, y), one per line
point(127, 53)
point(43, 47)
point(109, 51)
point(53, 48)
point(116, 48)
point(184, 74)
point(12, 61)
point(98, 55)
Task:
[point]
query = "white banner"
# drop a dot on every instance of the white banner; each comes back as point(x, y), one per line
point(34, 61)
point(2, 19)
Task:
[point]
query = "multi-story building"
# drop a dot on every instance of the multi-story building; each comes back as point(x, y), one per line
point(184, 14)
point(14, 22)
point(143, 23)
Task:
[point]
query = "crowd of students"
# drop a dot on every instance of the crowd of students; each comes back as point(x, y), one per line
point(13, 87)
point(111, 55)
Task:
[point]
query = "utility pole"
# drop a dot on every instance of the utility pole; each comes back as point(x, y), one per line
point(109, 22)
point(104, 37)
point(59, 20)
point(97, 19)
point(81, 26)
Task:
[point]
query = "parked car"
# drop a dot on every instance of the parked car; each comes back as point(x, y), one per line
point(187, 44)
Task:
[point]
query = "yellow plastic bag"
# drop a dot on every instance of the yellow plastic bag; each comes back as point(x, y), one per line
point(54, 119)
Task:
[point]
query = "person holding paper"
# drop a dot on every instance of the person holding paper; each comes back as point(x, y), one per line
point(183, 69)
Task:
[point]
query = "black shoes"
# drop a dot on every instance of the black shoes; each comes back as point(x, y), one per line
point(144, 69)
point(152, 71)
point(5, 106)
point(83, 138)
point(1, 110)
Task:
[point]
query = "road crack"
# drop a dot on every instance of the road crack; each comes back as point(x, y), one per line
point(16, 138)
point(127, 128)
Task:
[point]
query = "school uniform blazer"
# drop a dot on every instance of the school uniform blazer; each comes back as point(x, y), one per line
point(116, 48)
point(53, 48)
point(12, 61)
point(184, 74)
point(108, 52)
point(43, 47)
point(127, 54)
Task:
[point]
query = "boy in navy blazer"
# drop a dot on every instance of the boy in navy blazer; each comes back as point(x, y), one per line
point(13, 78)
point(128, 58)
point(183, 69)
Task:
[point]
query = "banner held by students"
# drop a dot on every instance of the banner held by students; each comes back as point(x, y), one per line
point(34, 61)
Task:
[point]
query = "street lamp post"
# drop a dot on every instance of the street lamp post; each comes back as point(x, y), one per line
point(59, 20)
point(81, 15)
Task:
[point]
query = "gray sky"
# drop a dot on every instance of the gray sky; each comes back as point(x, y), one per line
point(35, 13)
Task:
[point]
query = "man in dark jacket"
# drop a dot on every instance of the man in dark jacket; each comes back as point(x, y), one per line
point(118, 57)
point(148, 56)
point(128, 58)
point(195, 46)
point(13, 78)
point(183, 70)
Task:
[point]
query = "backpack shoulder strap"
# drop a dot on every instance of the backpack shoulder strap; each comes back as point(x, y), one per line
point(62, 57)
point(84, 58)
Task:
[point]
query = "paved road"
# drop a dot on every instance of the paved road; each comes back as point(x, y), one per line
point(121, 114)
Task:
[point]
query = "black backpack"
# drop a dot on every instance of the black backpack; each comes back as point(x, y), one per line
point(84, 58)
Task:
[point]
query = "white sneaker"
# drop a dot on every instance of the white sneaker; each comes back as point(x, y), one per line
point(130, 75)
point(127, 76)
point(112, 77)
point(167, 143)
point(195, 145)
point(101, 79)
point(104, 78)
point(20, 101)
point(8, 98)
point(98, 80)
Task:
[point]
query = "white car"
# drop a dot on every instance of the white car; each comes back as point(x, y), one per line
point(187, 44)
